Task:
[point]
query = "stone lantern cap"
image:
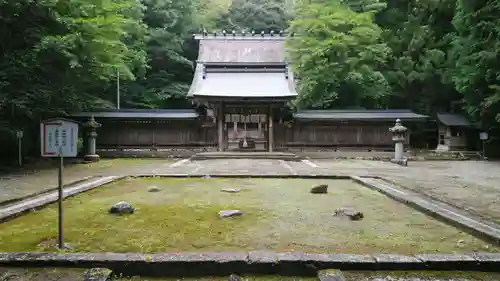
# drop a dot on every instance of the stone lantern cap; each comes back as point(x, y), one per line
point(398, 128)
point(92, 123)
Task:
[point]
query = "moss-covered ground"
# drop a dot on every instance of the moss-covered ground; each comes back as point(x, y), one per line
point(245, 278)
point(421, 275)
point(354, 276)
point(40, 274)
point(279, 214)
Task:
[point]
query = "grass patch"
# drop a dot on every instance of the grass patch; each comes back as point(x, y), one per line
point(279, 215)
point(41, 274)
point(353, 276)
point(246, 278)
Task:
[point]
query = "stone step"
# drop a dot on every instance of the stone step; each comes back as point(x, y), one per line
point(247, 155)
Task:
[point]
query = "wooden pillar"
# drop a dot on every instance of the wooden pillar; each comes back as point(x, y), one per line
point(220, 126)
point(270, 130)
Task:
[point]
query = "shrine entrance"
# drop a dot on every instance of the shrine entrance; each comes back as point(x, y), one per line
point(246, 131)
point(246, 128)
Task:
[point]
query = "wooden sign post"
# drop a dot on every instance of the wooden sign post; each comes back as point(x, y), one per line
point(59, 138)
point(483, 136)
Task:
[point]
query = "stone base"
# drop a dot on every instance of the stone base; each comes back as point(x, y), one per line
point(91, 158)
point(402, 162)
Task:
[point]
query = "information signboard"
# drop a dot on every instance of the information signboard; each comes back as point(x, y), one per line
point(483, 136)
point(59, 138)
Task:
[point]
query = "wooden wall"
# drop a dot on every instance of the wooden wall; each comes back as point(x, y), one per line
point(189, 133)
point(138, 134)
point(334, 134)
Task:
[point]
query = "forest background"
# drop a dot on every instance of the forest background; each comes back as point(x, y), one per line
point(60, 56)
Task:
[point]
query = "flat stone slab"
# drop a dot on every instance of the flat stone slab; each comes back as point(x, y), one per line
point(303, 257)
point(42, 200)
point(486, 257)
point(401, 262)
point(445, 258)
point(353, 258)
point(394, 258)
point(190, 257)
point(262, 257)
point(449, 261)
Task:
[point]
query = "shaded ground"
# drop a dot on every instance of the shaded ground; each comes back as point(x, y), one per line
point(40, 274)
point(29, 181)
point(279, 214)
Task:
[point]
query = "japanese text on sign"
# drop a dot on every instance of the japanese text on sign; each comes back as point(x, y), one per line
point(59, 138)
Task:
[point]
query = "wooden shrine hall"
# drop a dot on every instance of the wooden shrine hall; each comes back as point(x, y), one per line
point(243, 82)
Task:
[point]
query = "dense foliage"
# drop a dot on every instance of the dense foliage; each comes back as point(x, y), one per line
point(427, 55)
point(58, 56)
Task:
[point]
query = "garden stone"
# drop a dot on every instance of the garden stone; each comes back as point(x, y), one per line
point(231, 190)
point(230, 213)
point(97, 274)
point(121, 208)
point(350, 213)
point(330, 275)
point(234, 277)
point(320, 189)
point(154, 189)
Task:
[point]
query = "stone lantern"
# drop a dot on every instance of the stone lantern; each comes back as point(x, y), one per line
point(91, 125)
point(398, 137)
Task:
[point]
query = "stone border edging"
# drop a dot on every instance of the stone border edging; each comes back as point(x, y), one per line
point(22, 198)
point(434, 208)
point(38, 201)
point(283, 176)
point(190, 264)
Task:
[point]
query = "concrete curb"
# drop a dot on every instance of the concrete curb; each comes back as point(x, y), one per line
point(191, 264)
point(19, 199)
point(34, 202)
point(456, 217)
point(284, 176)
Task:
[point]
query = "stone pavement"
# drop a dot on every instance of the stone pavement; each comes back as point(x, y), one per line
point(469, 185)
point(18, 185)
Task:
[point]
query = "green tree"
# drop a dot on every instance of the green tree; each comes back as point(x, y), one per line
point(257, 15)
point(170, 69)
point(475, 53)
point(60, 55)
point(419, 35)
point(336, 56)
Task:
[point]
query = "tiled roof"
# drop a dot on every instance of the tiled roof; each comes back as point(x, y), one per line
point(248, 85)
point(452, 119)
point(141, 113)
point(357, 114)
point(241, 51)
